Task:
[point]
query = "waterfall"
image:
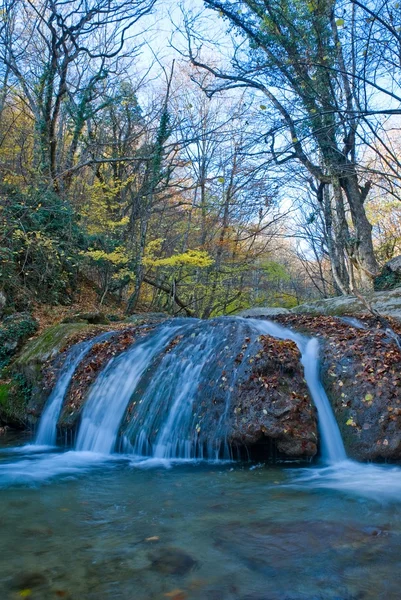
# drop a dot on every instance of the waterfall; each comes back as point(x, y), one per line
point(332, 447)
point(174, 387)
point(47, 430)
point(113, 388)
point(170, 417)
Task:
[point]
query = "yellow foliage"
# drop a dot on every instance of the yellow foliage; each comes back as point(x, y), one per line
point(117, 258)
point(102, 207)
point(191, 258)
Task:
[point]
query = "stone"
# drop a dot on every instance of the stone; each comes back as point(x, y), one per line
point(263, 311)
point(28, 580)
point(91, 318)
point(172, 561)
point(387, 303)
point(272, 404)
point(360, 371)
point(14, 331)
point(390, 276)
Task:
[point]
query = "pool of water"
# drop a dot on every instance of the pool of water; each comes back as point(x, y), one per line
point(86, 526)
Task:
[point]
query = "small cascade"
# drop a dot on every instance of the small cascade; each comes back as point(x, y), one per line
point(173, 417)
point(332, 447)
point(113, 388)
point(170, 395)
point(47, 430)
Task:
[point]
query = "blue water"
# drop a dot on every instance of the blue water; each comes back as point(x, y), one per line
point(86, 526)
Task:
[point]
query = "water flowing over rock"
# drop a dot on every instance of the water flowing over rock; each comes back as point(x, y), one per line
point(232, 388)
point(188, 389)
point(112, 390)
point(361, 373)
point(47, 430)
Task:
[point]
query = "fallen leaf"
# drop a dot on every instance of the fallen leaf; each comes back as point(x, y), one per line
point(176, 594)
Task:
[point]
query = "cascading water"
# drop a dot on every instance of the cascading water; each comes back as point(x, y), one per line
point(177, 403)
point(170, 417)
point(47, 430)
point(110, 394)
point(332, 447)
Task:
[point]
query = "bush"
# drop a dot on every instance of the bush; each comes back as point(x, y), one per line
point(39, 252)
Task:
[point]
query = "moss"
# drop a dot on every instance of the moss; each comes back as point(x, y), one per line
point(387, 280)
point(14, 397)
point(4, 393)
point(49, 343)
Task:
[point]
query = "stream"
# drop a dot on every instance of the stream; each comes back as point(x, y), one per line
point(163, 521)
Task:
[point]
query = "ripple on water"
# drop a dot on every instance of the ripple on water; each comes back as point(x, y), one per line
point(102, 528)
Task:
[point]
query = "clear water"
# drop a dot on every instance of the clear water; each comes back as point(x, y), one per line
point(85, 526)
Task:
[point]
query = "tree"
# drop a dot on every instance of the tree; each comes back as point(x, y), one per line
point(55, 51)
point(295, 59)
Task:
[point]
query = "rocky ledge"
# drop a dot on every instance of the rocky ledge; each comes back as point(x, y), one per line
point(271, 414)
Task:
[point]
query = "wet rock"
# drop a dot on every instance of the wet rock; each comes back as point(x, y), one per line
point(273, 403)
point(172, 561)
point(361, 373)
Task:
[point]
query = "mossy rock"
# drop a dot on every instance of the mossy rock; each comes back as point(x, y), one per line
point(90, 318)
point(14, 397)
point(387, 280)
point(387, 303)
point(48, 344)
point(14, 331)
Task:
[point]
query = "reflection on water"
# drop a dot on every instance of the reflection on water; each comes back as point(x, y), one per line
point(84, 526)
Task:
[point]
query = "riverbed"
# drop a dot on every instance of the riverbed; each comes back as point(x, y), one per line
point(85, 526)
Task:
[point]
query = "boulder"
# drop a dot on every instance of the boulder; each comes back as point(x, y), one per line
point(390, 276)
point(272, 404)
point(23, 389)
point(361, 373)
point(90, 318)
point(14, 331)
point(387, 303)
point(263, 311)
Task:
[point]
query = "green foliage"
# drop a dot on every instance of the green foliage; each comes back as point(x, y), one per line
point(387, 280)
point(39, 256)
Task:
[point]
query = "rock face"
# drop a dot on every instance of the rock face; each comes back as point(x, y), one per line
point(270, 413)
point(361, 372)
point(273, 403)
point(390, 277)
point(388, 303)
point(24, 389)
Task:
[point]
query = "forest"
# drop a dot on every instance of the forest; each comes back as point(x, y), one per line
point(197, 160)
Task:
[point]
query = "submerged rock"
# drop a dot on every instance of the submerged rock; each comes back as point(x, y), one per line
point(172, 561)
